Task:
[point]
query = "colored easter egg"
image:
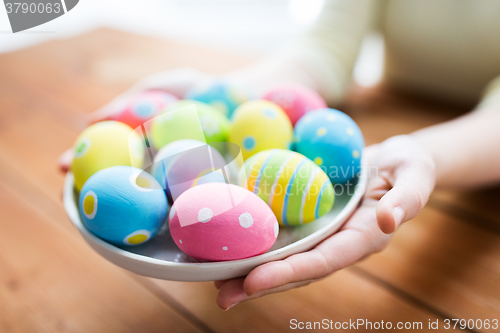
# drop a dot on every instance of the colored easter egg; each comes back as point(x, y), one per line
point(295, 100)
point(179, 122)
point(333, 141)
point(224, 96)
point(214, 124)
point(183, 164)
point(219, 222)
point(123, 205)
point(259, 125)
point(103, 145)
point(295, 188)
point(143, 107)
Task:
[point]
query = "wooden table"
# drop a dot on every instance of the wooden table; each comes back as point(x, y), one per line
point(444, 264)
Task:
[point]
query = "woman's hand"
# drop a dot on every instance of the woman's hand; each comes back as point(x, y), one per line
point(176, 82)
point(401, 180)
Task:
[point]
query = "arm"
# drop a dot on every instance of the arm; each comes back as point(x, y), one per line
point(461, 152)
point(322, 58)
point(465, 150)
point(176, 81)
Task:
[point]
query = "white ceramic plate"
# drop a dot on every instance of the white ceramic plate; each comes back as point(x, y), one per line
point(161, 258)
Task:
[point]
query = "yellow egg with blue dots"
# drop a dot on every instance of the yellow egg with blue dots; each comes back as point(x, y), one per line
point(103, 145)
point(123, 205)
point(259, 125)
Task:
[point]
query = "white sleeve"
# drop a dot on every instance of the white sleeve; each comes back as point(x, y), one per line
point(328, 51)
point(491, 96)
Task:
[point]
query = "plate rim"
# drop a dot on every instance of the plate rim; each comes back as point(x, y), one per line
point(154, 267)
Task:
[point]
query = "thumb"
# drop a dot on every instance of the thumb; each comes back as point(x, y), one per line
point(64, 160)
point(174, 81)
point(107, 111)
point(411, 190)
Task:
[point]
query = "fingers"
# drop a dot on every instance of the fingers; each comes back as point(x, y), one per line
point(300, 267)
point(360, 237)
point(65, 160)
point(176, 81)
point(413, 186)
point(104, 113)
point(109, 110)
point(219, 284)
point(232, 292)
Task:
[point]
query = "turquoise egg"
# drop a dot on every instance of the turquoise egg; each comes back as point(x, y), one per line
point(222, 95)
point(333, 141)
point(123, 205)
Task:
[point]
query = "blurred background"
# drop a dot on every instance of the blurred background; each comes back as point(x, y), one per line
point(251, 27)
point(445, 264)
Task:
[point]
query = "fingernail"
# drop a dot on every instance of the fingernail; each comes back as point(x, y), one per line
point(252, 293)
point(232, 305)
point(398, 215)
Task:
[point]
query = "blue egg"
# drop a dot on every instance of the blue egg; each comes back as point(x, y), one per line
point(123, 205)
point(333, 141)
point(224, 96)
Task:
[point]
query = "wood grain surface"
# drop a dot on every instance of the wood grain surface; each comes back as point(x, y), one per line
point(443, 264)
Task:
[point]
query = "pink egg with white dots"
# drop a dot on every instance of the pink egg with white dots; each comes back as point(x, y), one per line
point(144, 106)
point(295, 100)
point(218, 222)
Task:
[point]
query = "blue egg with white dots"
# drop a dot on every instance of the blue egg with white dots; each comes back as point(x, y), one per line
point(224, 96)
point(333, 141)
point(123, 205)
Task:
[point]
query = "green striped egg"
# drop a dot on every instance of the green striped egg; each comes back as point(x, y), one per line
point(297, 190)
